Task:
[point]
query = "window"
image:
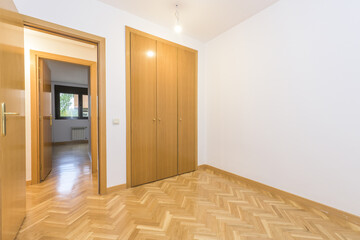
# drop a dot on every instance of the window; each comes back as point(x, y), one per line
point(85, 109)
point(71, 102)
point(69, 105)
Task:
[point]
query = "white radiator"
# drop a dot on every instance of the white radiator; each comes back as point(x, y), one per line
point(78, 133)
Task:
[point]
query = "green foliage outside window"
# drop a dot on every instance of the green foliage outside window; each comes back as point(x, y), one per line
point(67, 108)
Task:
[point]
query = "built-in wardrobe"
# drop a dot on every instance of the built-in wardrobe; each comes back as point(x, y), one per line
point(161, 108)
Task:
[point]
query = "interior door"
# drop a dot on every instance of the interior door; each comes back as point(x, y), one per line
point(45, 119)
point(186, 111)
point(12, 137)
point(166, 110)
point(143, 109)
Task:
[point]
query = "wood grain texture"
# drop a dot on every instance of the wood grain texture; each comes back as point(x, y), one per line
point(163, 75)
point(199, 205)
point(166, 110)
point(12, 145)
point(35, 58)
point(45, 110)
point(128, 106)
point(196, 110)
point(35, 113)
point(94, 117)
point(101, 63)
point(62, 31)
point(143, 110)
point(147, 35)
point(186, 111)
point(332, 213)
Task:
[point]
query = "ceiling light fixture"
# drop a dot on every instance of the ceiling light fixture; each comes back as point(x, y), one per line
point(178, 27)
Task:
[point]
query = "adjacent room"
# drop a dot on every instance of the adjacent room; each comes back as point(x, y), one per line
point(179, 119)
point(57, 89)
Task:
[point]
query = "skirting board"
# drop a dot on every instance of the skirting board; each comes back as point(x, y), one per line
point(28, 183)
point(70, 142)
point(332, 213)
point(115, 188)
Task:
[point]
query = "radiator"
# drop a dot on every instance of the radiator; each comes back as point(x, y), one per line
point(78, 133)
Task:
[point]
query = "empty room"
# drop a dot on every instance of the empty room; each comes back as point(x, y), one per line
point(179, 119)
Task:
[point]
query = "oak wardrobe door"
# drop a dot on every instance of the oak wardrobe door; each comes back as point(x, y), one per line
point(186, 111)
point(143, 109)
point(167, 110)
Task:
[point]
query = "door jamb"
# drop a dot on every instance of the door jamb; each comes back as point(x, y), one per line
point(70, 33)
point(35, 94)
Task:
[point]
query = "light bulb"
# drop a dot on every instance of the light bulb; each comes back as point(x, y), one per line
point(178, 28)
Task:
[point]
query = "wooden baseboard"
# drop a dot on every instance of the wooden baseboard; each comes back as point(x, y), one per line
point(332, 213)
point(28, 183)
point(115, 188)
point(70, 142)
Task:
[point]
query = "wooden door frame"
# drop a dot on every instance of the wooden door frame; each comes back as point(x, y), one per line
point(100, 85)
point(35, 98)
point(128, 31)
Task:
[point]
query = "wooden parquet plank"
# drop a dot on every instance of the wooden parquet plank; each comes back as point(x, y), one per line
point(198, 205)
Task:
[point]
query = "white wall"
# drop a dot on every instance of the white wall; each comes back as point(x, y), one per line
point(68, 72)
point(103, 20)
point(61, 129)
point(283, 100)
point(47, 43)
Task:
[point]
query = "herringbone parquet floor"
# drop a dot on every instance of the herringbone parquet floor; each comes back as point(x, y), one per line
point(198, 205)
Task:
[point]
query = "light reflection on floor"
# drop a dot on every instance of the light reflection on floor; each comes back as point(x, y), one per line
point(67, 179)
point(70, 162)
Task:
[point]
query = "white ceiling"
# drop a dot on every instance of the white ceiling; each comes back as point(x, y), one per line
point(201, 19)
point(68, 72)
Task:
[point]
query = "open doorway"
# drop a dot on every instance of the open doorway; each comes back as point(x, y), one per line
point(64, 116)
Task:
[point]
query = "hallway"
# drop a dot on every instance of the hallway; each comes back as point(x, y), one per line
point(198, 205)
